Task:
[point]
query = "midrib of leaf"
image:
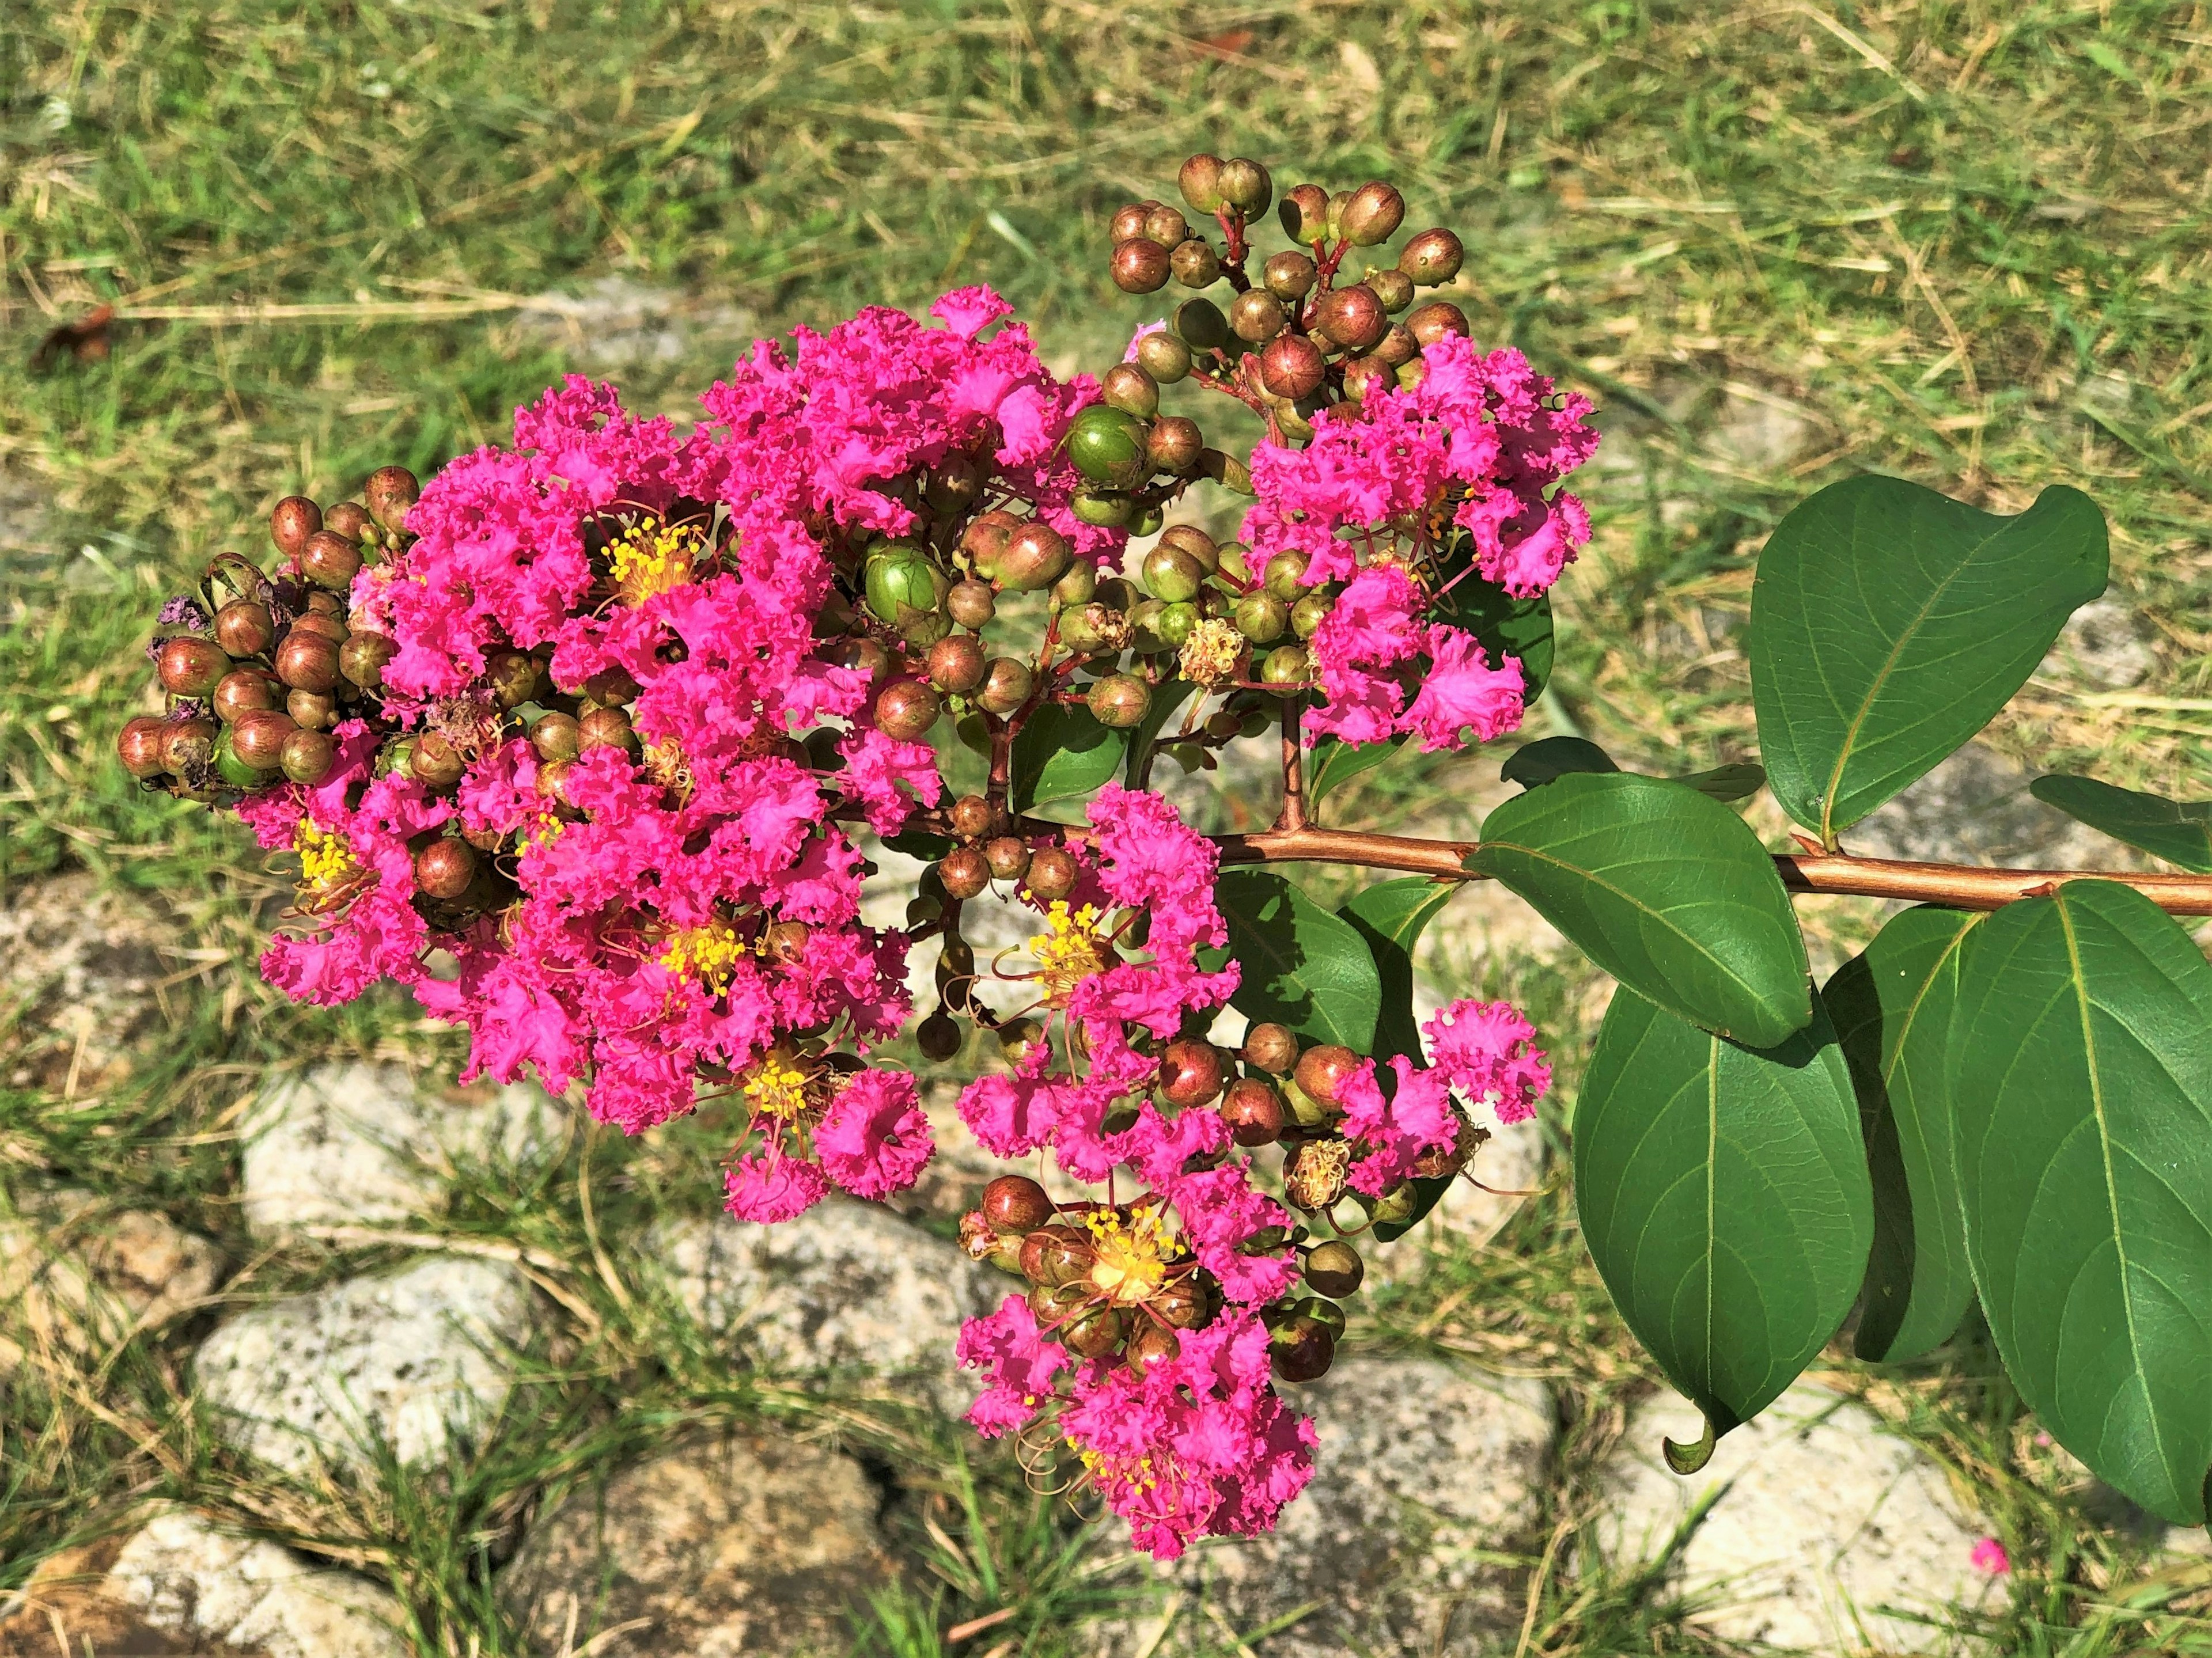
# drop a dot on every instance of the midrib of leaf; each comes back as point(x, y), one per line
point(1920, 996)
point(1712, 1179)
point(2080, 982)
point(1882, 679)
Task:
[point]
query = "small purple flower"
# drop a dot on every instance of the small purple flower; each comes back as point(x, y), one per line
point(185, 611)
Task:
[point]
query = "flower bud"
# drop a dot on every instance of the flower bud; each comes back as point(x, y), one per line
point(328, 623)
point(972, 815)
point(236, 772)
point(1442, 1164)
point(1435, 319)
point(1363, 375)
point(295, 518)
point(1164, 356)
point(1129, 221)
point(1190, 1073)
point(1108, 447)
point(556, 736)
point(1119, 701)
point(1165, 224)
point(1246, 186)
point(1006, 685)
point(1272, 1047)
point(900, 578)
point(938, 1037)
point(1037, 554)
point(1253, 1111)
point(552, 783)
point(1286, 666)
point(1015, 1202)
point(1016, 1037)
point(986, 1247)
point(1313, 1173)
point(1411, 374)
point(1131, 388)
point(433, 762)
point(1200, 325)
point(187, 746)
point(308, 757)
point(1320, 1069)
point(610, 687)
point(604, 728)
point(906, 709)
point(1304, 213)
point(1393, 288)
point(1108, 509)
point(971, 604)
point(511, 676)
point(445, 867)
point(347, 519)
point(1140, 265)
point(1283, 574)
point(1292, 366)
point(1056, 1255)
point(985, 539)
point(1431, 258)
point(1094, 1334)
point(1008, 856)
point(1309, 613)
point(1372, 216)
point(1353, 317)
point(1288, 274)
point(188, 666)
point(244, 628)
point(1398, 346)
point(139, 746)
point(1171, 574)
point(1257, 316)
point(1174, 445)
point(957, 663)
point(241, 691)
point(1195, 264)
point(315, 711)
point(1334, 1269)
point(1052, 873)
point(1395, 1206)
point(953, 484)
point(330, 561)
point(1173, 621)
point(390, 491)
point(1054, 1305)
point(1262, 617)
point(1200, 182)
point(1151, 1346)
point(257, 737)
point(863, 654)
point(1182, 1303)
point(307, 661)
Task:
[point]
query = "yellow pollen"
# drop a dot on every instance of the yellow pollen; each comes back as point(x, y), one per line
point(708, 955)
point(326, 862)
point(1211, 652)
point(665, 765)
point(1071, 949)
point(1098, 1466)
point(774, 1087)
point(652, 557)
point(1130, 1258)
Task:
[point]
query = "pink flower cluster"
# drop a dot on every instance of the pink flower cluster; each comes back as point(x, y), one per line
point(1484, 1052)
point(1479, 445)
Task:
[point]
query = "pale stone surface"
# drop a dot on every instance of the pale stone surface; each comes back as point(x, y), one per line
point(76, 1275)
point(356, 1145)
point(1975, 809)
point(418, 1358)
point(1421, 1467)
point(718, 1547)
point(2102, 646)
point(1761, 434)
point(191, 1581)
point(845, 1288)
point(79, 964)
point(1824, 1524)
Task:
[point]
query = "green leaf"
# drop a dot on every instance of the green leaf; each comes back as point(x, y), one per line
point(1167, 702)
point(1722, 1192)
point(1303, 967)
point(2179, 831)
point(1888, 624)
point(1504, 626)
point(1548, 758)
point(1332, 763)
point(2081, 1076)
point(1062, 757)
point(1892, 1007)
point(1738, 780)
point(1391, 915)
point(1665, 889)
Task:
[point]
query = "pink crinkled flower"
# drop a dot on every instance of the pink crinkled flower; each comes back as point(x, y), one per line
point(1018, 1365)
point(766, 1187)
point(1393, 1133)
point(1488, 1051)
point(1462, 689)
point(874, 1138)
point(1221, 1210)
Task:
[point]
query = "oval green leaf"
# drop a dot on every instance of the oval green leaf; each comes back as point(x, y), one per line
point(1303, 967)
point(1547, 757)
point(1890, 623)
point(1332, 763)
point(2179, 831)
point(1664, 887)
point(1891, 1008)
point(1723, 1194)
point(1062, 757)
point(2082, 1080)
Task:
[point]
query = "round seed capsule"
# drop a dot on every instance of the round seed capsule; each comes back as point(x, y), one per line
point(1140, 265)
point(295, 518)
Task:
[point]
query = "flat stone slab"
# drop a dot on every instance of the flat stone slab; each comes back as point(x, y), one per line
point(1825, 1530)
point(418, 1359)
point(721, 1546)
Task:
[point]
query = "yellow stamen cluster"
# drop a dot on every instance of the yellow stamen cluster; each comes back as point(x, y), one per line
point(326, 862)
point(651, 557)
point(1211, 652)
point(1071, 949)
point(708, 955)
point(776, 1088)
point(664, 763)
point(1098, 1466)
point(1131, 1257)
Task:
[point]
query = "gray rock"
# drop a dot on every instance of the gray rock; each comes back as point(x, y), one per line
point(1761, 433)
point(79, 964)
point(845, 1289)
point(2102, 646)
point(354, 1145)
point(1975, 809)
point(187, 1579)
point(418, 1359)
point(1824, 1525)
point(76, 1275)
point(719, 1547)
point(1421, 1468)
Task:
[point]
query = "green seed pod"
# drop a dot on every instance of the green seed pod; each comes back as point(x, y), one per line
point(1107, 446)
point(1172, 574)
point(1131, 388)
point(1145, 627)
point(1257, 316)
point(1195, 542)
point(1200, 182)
point(1200, 325)
point(1174, 623)
point(1119, 701)
point(1116, 593)
point(1288, 274)
point(236, 772)
point(1395, 1206)
point(1304, 213)
point(1262, 617)
point(1195, 263)
point(1165, 357)
point(1431, 258)
point(1147, 520)
point(1078, 586)
point(898, 574)
point(1105, 508)
point(1286, 665)
point(1309, 613)
point(1236, 561)
point(1246, 186)
point(923, 628)
point(1285, 576)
